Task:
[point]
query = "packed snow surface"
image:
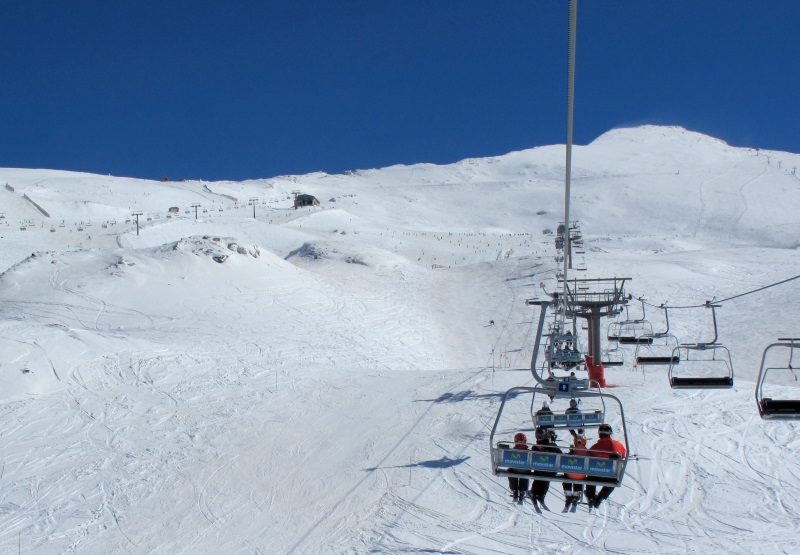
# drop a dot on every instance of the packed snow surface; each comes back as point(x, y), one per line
point(238, 376)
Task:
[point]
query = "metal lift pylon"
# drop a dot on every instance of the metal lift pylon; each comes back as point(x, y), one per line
point(606, 299)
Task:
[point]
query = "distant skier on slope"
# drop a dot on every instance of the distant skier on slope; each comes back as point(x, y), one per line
point(608, 448)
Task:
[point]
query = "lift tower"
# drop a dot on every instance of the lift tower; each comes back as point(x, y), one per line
point(589, 299)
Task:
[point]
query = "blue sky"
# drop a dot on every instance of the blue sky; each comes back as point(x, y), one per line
point(246, 89)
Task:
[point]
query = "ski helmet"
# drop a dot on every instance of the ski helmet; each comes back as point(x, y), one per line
point(541, 434)
point(573, 403)
point(521, 438)
point(605, 430)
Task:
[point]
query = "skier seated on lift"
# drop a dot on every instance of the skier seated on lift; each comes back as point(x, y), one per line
point(519, 486)
point(569, 340)
point(607, 448)
point(573, 490)
point(545, 410)
point(545, 441)
point(552, 382)
point(573, 409)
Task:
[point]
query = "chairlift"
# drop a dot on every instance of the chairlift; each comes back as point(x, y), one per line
point(631, 330)
point(613, 355)
point(517, 463)
point(544, 416)
point(709, 364)
point(658, 348)
point(779, 366)
point(562, 349)
point(653, 351)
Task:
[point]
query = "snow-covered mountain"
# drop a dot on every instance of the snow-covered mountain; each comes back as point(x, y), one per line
point(259, 379)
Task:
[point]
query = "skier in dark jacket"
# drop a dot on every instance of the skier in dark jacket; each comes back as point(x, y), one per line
point(519, 486)
point(545, 441)
point(573, 409)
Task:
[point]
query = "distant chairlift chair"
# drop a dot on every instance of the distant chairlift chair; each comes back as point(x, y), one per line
point(631, 331)
point(658, 348)
point(563, 349)
point(613, 355)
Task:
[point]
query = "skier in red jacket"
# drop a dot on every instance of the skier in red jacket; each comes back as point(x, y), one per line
point(607, 448)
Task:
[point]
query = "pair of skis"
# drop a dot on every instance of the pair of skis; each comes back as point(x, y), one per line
point(570, 506)
point(537, 504)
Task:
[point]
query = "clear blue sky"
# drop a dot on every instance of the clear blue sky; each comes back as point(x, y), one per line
point(245, 89)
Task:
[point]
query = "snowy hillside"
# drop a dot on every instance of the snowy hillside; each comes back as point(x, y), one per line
point(323, 380)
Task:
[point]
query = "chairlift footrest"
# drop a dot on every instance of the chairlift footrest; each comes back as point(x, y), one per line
point(701, 383)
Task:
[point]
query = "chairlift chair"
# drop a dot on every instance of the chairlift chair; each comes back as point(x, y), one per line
point(631, 331)
point(771, 408)
point(591, 418)
point(709, 367)
point(563, 348)
point(636, 333)
point(658, 348)
point(517, 463)
point(709, 363)
point(613, 355)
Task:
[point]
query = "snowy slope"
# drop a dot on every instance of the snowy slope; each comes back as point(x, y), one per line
point(323, 380)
